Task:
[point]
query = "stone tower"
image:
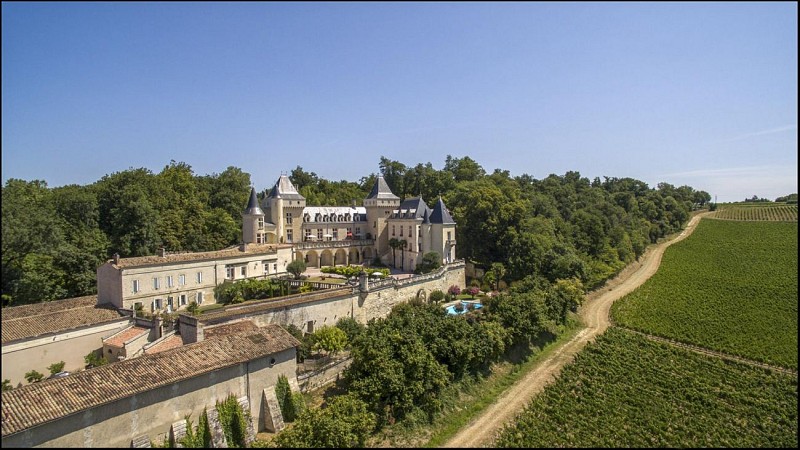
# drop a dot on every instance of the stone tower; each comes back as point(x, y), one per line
point(379, 204)
point(253, 229)
point(284, 207)
point(443, 232)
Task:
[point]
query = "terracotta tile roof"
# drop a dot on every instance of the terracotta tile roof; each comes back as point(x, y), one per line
point(20, 322)
point(119, 339)
point(229, 328)
point(252, 249)
point(168, 343)
point(15, 312)
point(49, 400)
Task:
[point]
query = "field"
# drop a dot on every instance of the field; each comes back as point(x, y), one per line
point(731, 287)
point(757, 211)
point(625, 390)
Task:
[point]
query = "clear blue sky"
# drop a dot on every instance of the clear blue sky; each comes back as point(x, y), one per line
point(703, 94)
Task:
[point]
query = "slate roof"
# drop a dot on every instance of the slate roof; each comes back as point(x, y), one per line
point(381, 191)
point(252, 249)
point(27, 321)
point(357, 214)
point(285, 189)
point(252, 205)
point(412, 208)
point(440, 213)
point(38, 403)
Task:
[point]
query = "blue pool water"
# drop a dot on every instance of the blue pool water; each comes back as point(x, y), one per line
point(452, 308)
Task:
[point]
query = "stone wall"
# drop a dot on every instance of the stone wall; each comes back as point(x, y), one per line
point(326, 374)
point(377, 302)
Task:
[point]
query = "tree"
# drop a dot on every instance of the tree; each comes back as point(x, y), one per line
point(296, 268)
point(7, 385)
point(464, 169)
point(473, 291)
point(330, 339)
point(56, 367)
point(395, 243)
point(430, 262)
point(234, 421)
point(436, 296)
point(33, 376)
point(351, 327)
point(94, 360)
point(394, 173)
point(200, 436)
point(403, 246)
point(393, 371)
point(345, 423)
point(499, 271)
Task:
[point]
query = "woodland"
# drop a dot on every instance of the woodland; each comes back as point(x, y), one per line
point(561, 227)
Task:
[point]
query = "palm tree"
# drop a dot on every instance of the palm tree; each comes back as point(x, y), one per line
point(403, 246)
point(395, 243)
point(499, 271)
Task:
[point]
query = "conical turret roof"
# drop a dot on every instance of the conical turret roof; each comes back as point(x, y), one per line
point(440, 213)
point(252, 205)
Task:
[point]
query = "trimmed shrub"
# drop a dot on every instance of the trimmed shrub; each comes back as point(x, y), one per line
point(56, 367)
point(33, 376)
point(436, 296)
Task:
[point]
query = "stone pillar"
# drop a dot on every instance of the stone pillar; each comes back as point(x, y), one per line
point(251, 432)
point(176, 432)
point(217, 434)
point(273, 418)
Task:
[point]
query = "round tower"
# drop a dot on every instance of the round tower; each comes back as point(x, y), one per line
point(253, 230)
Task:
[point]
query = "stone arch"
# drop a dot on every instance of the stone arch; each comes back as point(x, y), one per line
point(340, 257)
point(312, 259)
point(326, 258)
point(355, 256)
point(300, 256)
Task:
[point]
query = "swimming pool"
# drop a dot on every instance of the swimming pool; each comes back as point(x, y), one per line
point(452, 308)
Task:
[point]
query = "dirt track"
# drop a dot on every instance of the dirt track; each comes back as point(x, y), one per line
point(594, 314)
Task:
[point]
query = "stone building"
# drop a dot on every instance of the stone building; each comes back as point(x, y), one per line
point(397, 233)
point(117, 404)
point(170, 281)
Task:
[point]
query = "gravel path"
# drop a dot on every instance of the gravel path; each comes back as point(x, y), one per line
point(483, 430)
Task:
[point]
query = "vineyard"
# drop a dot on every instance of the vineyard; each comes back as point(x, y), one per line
point(731, 287)
point(625, 390)
point(757, 212)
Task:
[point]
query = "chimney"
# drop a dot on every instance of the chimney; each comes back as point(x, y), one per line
point(244, 247)
point(162, 252)
point(116, 258)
